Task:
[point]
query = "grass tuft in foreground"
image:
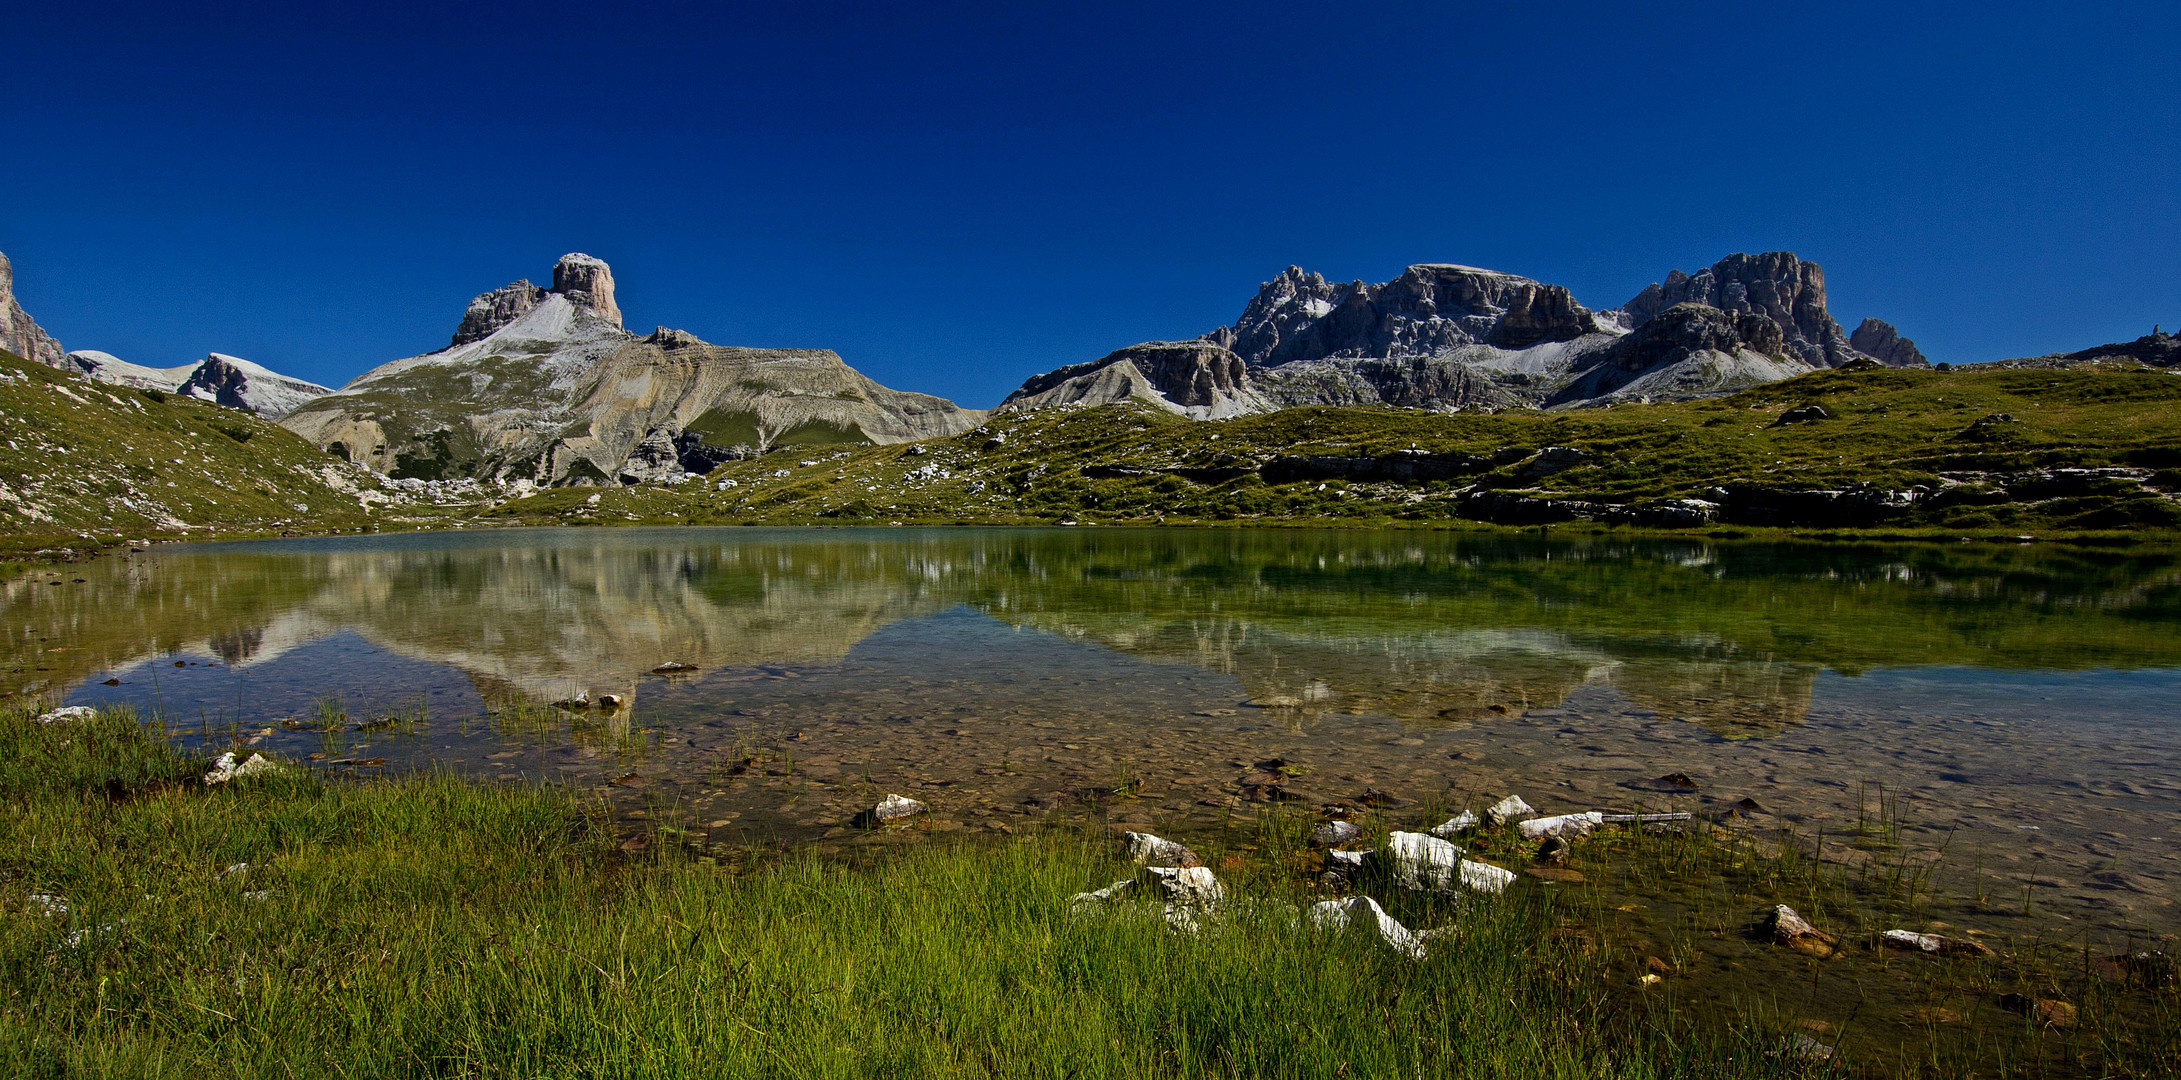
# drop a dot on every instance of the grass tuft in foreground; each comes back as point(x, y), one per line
point(293, 926)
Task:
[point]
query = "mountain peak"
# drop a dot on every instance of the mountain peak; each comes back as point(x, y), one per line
point(584, 280)
point(587, 282)
point(19, 333)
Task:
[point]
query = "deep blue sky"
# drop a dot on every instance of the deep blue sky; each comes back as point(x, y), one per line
point(957, 199)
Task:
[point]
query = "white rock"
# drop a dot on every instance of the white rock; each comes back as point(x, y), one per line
point(1188, 885)
point(1563, 825)
point(226, 769)
point(1102, 896)
point(1485, 878)
point(1423, 862)
point(893, 808)
point(1511, 808)
point(1149, 850)
point(1456, 825)
point(1341, 914)
point(72, 714)
point(1907, 939)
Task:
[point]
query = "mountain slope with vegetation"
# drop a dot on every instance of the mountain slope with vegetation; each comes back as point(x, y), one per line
point(1993, 451)
point(81, 460)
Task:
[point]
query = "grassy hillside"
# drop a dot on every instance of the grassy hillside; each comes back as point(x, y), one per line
point(85, 462)
point(1991, 452)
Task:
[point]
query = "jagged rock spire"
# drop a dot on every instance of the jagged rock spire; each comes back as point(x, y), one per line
point(19, 333)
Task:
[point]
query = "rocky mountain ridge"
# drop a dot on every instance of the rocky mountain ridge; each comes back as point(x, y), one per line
point(546, 386)
point(218, 378)
point(1446, 336)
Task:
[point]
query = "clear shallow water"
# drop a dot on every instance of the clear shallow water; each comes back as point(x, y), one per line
point(2018, 702)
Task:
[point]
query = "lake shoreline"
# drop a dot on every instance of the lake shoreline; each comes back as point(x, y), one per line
point(298, 893)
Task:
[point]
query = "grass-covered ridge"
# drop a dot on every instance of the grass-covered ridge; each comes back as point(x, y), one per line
point(1985, 452)
point(82, 459)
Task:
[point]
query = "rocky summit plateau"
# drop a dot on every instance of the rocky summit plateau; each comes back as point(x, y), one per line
point(545, 385)
point(1447, 337)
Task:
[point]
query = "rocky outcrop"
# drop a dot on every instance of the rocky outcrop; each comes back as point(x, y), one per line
point(1878, 340)
point(240, 384)
point(586, 282)
point(562, 394)
point(1774, 284)
point(1442, 336)
point(218, 378)
point(2157, 348)
point(1194, 378)
point(1687, 350)
point(1428, 310)
point(495, 309)
point(19, 333)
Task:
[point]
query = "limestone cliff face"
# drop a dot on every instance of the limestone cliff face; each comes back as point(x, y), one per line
point(545, 385)
point(585, 281)
point(19, 333)
point(1428, 310)
point(1773, 284)
point(1442, 336)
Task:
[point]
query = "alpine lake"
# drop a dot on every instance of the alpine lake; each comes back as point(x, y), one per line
point(2005, 715)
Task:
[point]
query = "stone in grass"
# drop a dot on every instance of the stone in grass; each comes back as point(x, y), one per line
point(1342, 914)
point(891, 810)
point(1934, 943)
point(2049, 1012)
point(1562, 825)
point(1429, 864)
point(1331, 833)
point(1790, 929)
point(1149, 850)
point(1804, 1048)
point(1456, 825)
point(1511, 808)
point(226, 768)
point(1188, 884)
point(71, 714)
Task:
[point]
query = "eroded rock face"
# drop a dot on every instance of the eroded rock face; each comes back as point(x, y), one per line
point(588, 283)
point(19, 333)
point(1195, 378)
point(1878, 340)
point(1685, 350)
point(1429, 309)
point(495, 309)
point(240, 384)
point(1774, 284)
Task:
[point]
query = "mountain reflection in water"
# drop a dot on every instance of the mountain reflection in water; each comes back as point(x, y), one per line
point(1425, 628)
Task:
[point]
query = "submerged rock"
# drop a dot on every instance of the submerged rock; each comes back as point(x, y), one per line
point(1790, 929)
point(1934, 943)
